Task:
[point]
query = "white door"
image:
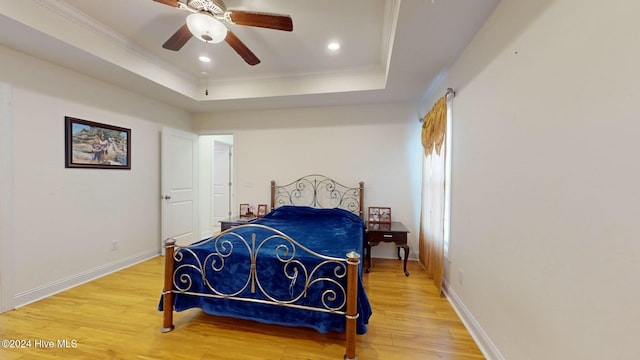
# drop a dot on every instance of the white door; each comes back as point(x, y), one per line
point(221, 181)
point(179, 186)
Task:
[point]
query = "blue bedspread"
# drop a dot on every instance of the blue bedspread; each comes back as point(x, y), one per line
point(282, 269)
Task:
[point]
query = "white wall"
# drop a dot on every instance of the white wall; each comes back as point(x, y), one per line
point(377, 144)
point(65, 220)
point(545, 193)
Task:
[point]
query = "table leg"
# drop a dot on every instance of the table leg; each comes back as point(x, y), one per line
point(406, 256)
point(368, 257)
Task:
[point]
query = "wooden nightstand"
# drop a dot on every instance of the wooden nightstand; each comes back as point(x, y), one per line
point(235, 221)
point(395, 232)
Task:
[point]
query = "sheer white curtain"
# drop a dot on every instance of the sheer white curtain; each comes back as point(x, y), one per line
point(433, 216)
point(434, 195)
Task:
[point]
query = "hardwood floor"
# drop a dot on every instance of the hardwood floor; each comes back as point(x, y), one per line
point(115, 317)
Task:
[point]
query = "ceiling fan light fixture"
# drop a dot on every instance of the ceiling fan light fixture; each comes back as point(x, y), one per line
point(206, 28)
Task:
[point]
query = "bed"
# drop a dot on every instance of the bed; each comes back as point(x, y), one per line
point(297, 266)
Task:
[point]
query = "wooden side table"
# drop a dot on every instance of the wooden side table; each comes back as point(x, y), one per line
point(394, 232)
point(235, 221)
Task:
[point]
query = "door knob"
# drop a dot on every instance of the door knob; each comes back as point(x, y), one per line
point(167, 197)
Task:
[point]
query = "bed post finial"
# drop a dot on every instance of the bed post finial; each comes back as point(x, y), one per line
point(353, 260)
point(167, 303)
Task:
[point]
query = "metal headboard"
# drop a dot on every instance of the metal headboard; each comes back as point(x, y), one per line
point(318, 191)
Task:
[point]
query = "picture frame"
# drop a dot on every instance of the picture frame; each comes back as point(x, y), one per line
point(244, 210)
point(262, 210)
point(94, 145)
point(379, 215)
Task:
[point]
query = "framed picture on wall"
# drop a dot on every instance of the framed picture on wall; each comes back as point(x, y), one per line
point(381, 215)
point(90, 144)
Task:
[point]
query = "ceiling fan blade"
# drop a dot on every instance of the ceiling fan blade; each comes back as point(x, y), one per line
point(264, 20)
point(173, 3)
point(241, 49)
point(178, 39)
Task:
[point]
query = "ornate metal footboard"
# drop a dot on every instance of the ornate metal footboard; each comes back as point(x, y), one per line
point(230, 269)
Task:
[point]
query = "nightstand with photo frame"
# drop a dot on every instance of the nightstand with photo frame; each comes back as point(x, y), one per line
point(380, 228)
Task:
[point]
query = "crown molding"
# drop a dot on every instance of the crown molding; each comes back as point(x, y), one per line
point(63, 9)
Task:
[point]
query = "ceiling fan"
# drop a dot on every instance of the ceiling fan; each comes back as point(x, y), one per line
point(206, 23)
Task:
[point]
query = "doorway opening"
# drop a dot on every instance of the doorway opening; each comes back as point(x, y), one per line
point(216, 182)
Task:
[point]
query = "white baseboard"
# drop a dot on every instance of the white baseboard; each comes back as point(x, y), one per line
point(41, 292)
point(489, 350)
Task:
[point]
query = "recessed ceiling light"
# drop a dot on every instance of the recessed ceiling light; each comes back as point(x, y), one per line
point(333, 46)
point(204, 59)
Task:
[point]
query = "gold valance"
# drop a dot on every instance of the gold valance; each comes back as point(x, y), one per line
point(434, 126)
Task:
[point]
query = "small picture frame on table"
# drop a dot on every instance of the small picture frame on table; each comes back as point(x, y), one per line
point(244, 210)
point(380, 215)
point(262, 210)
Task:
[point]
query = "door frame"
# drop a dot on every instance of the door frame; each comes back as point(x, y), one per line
point(7, 286)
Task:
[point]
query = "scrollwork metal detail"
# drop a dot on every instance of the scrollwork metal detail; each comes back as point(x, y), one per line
point(318, 191)
point(300, 271)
